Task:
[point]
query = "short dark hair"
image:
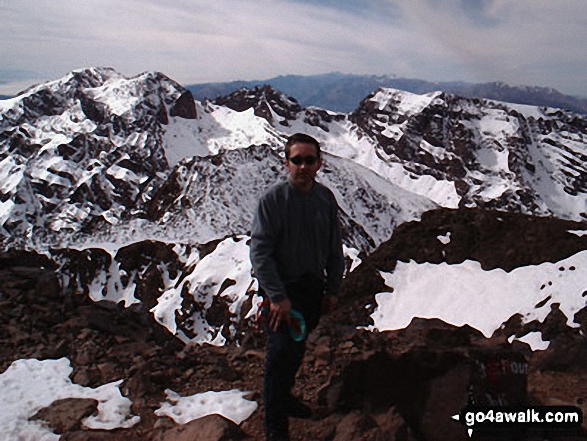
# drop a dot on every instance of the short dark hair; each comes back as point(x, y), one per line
point(301, 138)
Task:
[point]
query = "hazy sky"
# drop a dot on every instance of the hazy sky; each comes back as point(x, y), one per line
point(532, 42)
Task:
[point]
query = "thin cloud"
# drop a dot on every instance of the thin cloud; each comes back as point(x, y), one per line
point(520, 42)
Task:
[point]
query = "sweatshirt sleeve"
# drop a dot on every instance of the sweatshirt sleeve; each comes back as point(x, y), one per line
point(262, 252)
point(335, 263)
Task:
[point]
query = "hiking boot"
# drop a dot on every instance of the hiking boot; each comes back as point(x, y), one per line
point(297, 409)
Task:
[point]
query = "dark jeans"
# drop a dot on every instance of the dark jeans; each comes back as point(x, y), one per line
point(284, 354)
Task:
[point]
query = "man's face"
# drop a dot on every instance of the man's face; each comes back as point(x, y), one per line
point(303, 164)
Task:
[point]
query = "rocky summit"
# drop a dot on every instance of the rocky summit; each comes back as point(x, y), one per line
point(127, 297)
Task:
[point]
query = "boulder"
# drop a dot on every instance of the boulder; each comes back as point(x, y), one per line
point(67, 414)
point(208, 428)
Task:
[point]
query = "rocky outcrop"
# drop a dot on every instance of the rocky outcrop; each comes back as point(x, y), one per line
point(266, 103)
point(208, 428)
point(184, 107)
point(498, 155)
point(277, 108)
point(66, 415)
point(81, 151)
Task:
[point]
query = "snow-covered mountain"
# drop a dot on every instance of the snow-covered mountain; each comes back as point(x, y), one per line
point(96, 154)
point(210, 197)
point(95, 164)
point(459, 152)
point(497, 155)
point(94, 148)
point(83, 148)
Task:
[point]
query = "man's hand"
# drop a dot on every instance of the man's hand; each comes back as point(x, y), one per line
point(329, 303)
point(279, 312)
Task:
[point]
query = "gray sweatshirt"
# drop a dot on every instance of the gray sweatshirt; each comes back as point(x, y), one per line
point(296, 233)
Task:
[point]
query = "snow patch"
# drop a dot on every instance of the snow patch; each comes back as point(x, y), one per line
point(230, 404)
point(108, 285)
point(353, 255)
point(533, 339)
point(579, 233)
point(462, 294)
point(27, 386)
point(445, 240)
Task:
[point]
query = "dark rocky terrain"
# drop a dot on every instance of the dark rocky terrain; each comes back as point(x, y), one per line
point(399, 385)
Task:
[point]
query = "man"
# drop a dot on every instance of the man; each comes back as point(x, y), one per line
point(296, 253)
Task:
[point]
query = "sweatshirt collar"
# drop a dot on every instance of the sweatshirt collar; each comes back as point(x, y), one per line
point(295, 188)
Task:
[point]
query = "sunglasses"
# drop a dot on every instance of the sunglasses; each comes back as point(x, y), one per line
point(309, 160)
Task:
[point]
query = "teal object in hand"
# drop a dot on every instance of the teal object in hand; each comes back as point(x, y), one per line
point(297, 330)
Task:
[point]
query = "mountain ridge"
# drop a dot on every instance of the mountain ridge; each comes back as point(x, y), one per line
point(343, 92)
point(92, 148)
point(454, 150)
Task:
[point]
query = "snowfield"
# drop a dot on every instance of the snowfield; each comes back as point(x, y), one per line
point(462, 294)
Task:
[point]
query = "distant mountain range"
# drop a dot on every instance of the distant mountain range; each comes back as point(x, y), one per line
point(343, 92)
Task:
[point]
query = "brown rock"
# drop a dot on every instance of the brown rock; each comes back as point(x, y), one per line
point(101, 435)
point(322, 352)
point(392, 426)
point(109, 372)
point(447, 396)
point(208, 428)
point(184, 106)
point(66, 415)
point(86, 376)
point(88, 353)
point(356, 426)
